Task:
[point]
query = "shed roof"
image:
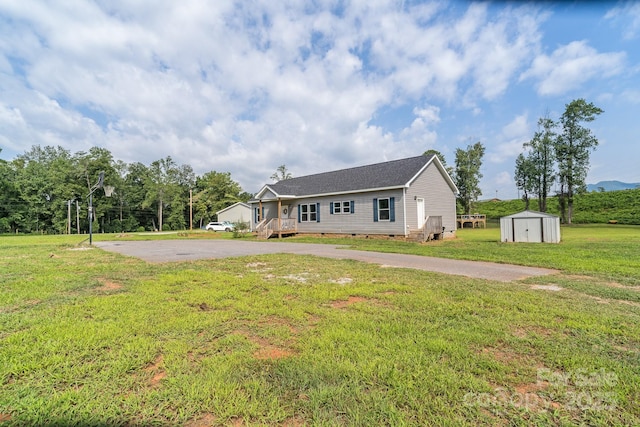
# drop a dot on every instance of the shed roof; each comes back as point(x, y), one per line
point(391, 174)
point(530, 214)
point(233, 206)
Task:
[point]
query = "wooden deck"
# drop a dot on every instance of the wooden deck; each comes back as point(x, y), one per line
point(276, 226)
point(475, 220)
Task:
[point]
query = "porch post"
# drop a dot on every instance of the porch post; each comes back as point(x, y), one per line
point(259, 210)
point(279, 219)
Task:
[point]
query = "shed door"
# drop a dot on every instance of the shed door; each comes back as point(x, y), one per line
point(421, 218)
point(527, 230)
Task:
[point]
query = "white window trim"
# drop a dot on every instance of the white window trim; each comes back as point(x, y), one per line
point(342, 204)
point(309, 212)
point(387, 209)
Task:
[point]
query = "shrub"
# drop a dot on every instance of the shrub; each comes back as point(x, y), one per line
point(240, 229)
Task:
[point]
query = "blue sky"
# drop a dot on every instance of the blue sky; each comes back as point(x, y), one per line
point(243, 87)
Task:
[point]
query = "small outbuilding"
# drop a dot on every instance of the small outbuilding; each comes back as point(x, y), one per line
point(238, 212)
point(530, 226)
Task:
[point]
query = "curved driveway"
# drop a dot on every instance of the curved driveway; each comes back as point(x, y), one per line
point(182, 250)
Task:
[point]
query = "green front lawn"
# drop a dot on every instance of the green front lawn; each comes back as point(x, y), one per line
point(89, 337)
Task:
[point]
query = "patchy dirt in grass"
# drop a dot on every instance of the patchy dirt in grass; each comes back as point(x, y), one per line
point(256, 264)
point(266, 349)
point(547, 287)
point(346, 303)
point(108, 285)
point(272, 353)
point(203, 306)
point(342, 280)
point(278, 321)
point(525, 332)
point(202, 420)
point(504, 355)
point(621, 286)
point(156, 369)
point(600, 300)
point(631, 303)
point(294, 421)
point(342, 304)
point(594, 280)
point(5, 417)
point(302, 278)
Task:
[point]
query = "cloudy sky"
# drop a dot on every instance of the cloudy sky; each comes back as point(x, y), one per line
point(245, 86)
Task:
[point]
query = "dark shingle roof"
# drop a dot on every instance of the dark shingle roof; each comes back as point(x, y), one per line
point(395, 173)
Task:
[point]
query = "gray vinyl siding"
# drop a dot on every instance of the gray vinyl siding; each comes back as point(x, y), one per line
point(439, 199)
point(359, 222)
point(235, 214)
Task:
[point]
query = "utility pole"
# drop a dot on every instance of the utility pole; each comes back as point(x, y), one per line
point(69, 216)
point(78, 216)
point(190, 209)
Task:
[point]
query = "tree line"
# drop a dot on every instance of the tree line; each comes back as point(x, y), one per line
point(46, 190)
point(558, 153)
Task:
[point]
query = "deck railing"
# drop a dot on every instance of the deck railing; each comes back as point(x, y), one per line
point(475, 220)
point(267, 228)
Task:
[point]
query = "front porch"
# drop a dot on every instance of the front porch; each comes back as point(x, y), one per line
point(276, 226)
point(271, 225)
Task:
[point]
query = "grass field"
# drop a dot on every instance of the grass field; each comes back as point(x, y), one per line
point(93, 338)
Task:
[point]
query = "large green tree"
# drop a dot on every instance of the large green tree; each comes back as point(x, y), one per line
point(440, 156)
point(45, 177)
point(281, 174)
point(133, 194)
point(525, 177)
point(214, 192)
point(467, 174)
point(10, 208)
point(540, 162)
point(167, 186)
point(89, 166)
point(572, 147)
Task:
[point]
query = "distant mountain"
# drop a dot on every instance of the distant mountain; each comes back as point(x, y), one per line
point(612, 186)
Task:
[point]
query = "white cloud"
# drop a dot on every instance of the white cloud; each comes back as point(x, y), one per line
point(247, 86)
point(628, 14)
point(509, 142)
point(572, 65)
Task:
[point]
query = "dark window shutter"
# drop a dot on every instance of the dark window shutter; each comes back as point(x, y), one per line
point(353, 206)
point(331, 208)
point(299, 209)
point(392, 209)
point(375, 210)
point(255, 215)
point(317, 212)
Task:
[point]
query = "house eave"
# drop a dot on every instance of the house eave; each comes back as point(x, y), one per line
point(330, 194)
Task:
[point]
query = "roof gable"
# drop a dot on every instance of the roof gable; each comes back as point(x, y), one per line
point(391, 174)
point(233, 206)
point(530, 214)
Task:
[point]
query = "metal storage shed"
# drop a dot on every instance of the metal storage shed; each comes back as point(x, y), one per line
point(530, 226)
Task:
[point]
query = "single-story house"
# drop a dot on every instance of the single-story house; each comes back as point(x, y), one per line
point(238, 212)
point(413, 198)
point(530, 226)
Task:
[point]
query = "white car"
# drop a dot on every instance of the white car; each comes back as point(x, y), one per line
point(219, 226)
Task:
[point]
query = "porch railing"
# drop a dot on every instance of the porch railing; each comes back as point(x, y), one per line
point(432, 227)
point(267, 228)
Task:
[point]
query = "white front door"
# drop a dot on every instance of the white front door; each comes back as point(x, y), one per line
point(421, 218)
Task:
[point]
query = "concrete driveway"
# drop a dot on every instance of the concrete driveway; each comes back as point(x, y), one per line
point(183, 250)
